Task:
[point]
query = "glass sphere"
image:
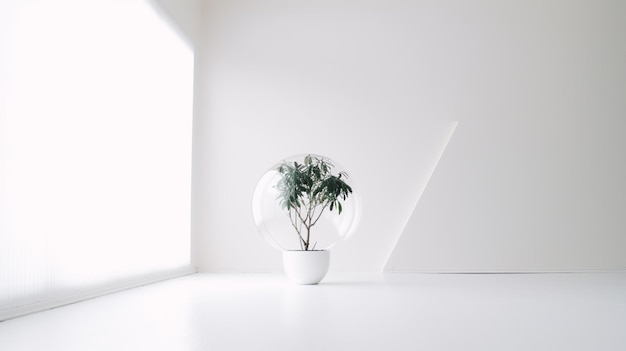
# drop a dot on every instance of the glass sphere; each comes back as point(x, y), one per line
point(279, 222)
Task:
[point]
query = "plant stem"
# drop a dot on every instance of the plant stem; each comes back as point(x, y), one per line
point(298, 228)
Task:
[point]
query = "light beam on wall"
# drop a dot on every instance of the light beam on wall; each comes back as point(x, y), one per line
point(430, 169)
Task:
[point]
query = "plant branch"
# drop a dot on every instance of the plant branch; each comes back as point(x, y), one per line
point(297, 227)
point(307, 189)
point(319, 214)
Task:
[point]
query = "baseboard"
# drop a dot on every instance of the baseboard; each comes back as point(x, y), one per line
point(504, 271)
point(24, 310)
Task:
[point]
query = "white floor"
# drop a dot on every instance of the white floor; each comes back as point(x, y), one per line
point(345, 312)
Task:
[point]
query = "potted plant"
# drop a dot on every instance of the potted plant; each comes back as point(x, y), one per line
point(303, 206)
point(306, 190)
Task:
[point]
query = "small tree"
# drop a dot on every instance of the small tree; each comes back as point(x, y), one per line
point(306, 190)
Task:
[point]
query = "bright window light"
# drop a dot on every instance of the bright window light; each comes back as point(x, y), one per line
point(98, 149)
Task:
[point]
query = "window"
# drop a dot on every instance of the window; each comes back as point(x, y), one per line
point(97, 151)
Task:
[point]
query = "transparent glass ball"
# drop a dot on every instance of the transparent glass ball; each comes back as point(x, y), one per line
point(274, 223)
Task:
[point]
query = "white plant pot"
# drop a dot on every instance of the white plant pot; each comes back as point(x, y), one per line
point(306, 267)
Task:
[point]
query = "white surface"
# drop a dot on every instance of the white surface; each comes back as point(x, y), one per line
point(345, 312)
point(96, 175)
point(306, 267)
point(532, 178)
point(184, 15)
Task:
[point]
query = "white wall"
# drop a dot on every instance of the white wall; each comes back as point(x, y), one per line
point(531, 178)
point(184, 15)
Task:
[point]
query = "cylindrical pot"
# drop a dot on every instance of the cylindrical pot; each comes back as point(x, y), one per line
point(306, 267)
